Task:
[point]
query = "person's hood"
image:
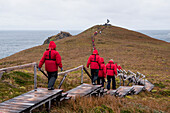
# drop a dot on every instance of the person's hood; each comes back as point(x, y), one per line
point(95, 52)
point(102, 60)
point(111, 62)
point(52, 45)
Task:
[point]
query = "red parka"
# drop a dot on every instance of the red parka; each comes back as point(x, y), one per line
point(52, 58)
point(102, 69)
point(111, 69)
point(116, 65)
point(119, 67)
point(94, 60)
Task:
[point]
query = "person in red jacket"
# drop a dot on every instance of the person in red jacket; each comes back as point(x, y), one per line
point(111, 71)
point(119, 68)
point(52, 60)
point(102, 73)
point(94, 62)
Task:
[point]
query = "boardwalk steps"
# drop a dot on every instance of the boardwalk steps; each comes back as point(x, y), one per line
point(30, 100)
point(127, 90)
point(85, 90)
point(38, 97)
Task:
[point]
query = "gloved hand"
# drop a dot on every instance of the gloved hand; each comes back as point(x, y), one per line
point(61, 69)
point(106, 80)
point(39, 68)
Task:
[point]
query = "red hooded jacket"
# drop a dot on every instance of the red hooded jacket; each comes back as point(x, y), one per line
point(94, 60)
point(102, 69)
point(116, 65)
point(119, 67)
point(111, 69)
point(52, 58)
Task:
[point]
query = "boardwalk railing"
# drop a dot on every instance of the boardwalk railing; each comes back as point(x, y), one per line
point(34, 64)
point(68, 71)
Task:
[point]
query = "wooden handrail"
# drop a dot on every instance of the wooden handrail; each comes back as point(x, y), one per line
point(70, 70)
point(18, 67)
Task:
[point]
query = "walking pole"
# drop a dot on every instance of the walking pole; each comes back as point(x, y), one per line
point(44, 73)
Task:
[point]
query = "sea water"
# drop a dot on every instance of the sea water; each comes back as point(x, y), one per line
point(158, 34)
point(14, 41)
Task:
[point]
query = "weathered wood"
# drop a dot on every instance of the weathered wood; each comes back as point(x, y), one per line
point(35, 77)
point(123, 91)
point(8, 111)
point(138, 89)
point(63, 96)
point(83, 90)
point(62, 81)
point(1, 73)
point(70, 70)
point(18, 67)
point(29, 101)
point(82, 75)
point(148, 86)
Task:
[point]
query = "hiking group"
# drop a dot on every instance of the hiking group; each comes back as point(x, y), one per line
point(100, 71)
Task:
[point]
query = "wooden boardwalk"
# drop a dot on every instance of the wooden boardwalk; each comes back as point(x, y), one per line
point(85, 90)
point(122, 91)
point(37, 97)
point(30, 100)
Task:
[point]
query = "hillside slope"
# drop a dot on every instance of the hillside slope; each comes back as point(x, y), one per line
point(132, 50)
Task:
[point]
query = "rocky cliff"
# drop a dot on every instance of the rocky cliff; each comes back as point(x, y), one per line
point(60, 35)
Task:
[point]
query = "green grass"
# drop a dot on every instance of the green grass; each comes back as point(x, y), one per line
point(16, 83)
point(132, 50)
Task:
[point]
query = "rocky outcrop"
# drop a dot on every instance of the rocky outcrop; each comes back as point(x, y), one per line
point(60, 35)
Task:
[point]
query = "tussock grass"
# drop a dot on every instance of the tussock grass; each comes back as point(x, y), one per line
point(133, 50)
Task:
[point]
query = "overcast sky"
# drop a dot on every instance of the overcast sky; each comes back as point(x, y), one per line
point(82, 14)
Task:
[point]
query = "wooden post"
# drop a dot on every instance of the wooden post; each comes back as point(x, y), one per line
point(1, 73)
point(35, 77)
point(120, 80)
point(82, 75)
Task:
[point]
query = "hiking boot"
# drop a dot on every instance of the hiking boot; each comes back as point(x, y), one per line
point(51, 88)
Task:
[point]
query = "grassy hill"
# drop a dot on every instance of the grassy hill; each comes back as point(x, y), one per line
point(132, 50)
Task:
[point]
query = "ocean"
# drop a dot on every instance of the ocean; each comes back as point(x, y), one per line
point(14, 41)
point(158, 34)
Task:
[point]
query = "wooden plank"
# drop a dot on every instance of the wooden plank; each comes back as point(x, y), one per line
point(113, 92)
point(8, 111)
point(70, 70)
point(83, 90)
point(137, 89)
point(148, 86)
point(34, 97)
point(1, 73)
point(123, 90)
point(30, 99)
point(11, 107)
point(18, 67)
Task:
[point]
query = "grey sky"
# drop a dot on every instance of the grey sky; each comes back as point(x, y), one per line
point(82, 14)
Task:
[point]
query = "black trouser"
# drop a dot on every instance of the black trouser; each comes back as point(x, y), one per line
point(52, 76)
point(100, 81)
point(94, 73)
point(109, 78)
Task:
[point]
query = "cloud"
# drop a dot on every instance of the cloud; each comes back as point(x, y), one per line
point(80, 14)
